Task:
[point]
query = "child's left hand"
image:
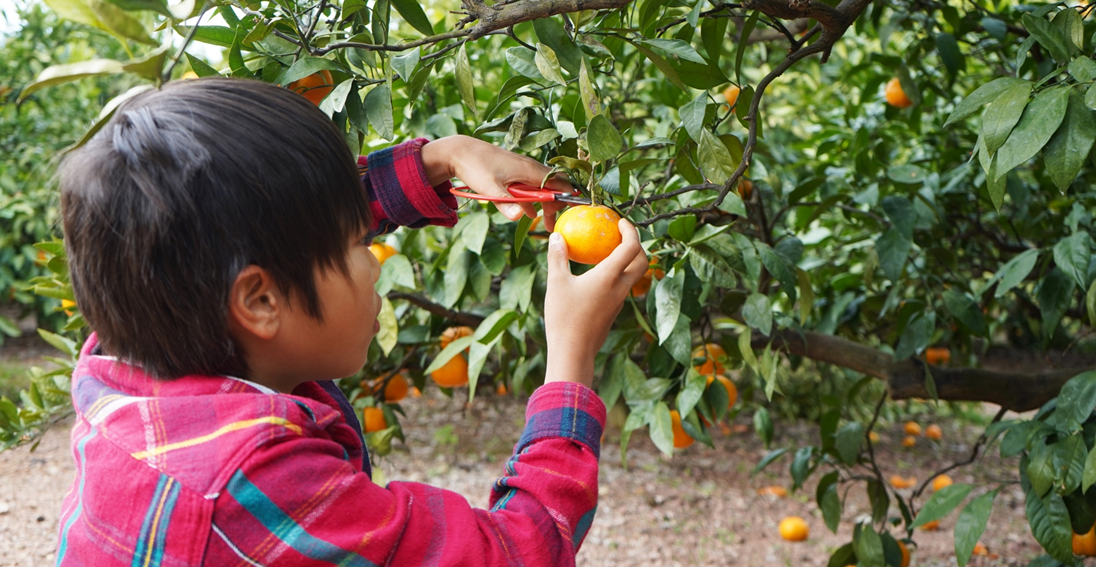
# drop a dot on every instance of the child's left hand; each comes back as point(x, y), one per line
point(489, 169)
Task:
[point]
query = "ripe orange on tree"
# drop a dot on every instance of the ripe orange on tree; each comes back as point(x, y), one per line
point(315, 86)
point(941, 482)
point(1085, 544)
point(731, 94)
point(912, 428)
point(644, 284)
point(453, 374)
point(905, 554)
point(373, 420)
point(711, 353)
point(896, 97)
point(382, 251)
point(901, 482)
point(453, 333)
point(934, 432)
point(732, 392)
point(909, 441)
point(794, 528)
point(931, 526)
point(875, 438)
point(937, 356)
point(681, 439)
point(591, 232)
point(396, 389)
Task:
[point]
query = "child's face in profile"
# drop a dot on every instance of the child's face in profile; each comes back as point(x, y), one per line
point(338, 346)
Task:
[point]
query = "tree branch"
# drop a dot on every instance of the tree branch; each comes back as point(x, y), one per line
point(459, 317)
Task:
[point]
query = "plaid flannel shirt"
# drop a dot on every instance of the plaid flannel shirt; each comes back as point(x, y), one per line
point(214, 470)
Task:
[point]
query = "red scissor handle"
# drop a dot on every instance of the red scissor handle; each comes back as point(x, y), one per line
point(519, 193)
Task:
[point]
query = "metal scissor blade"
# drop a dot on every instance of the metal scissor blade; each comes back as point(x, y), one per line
point(573, 199)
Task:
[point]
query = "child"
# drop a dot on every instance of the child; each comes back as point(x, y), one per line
point(217, 236)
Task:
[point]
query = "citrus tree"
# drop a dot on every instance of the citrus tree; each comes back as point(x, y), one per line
point(844, 203)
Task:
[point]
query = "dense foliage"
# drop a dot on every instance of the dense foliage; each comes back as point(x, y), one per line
point(961, 221)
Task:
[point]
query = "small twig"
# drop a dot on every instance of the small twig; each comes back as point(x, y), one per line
point(182, 49)
point(469, 319)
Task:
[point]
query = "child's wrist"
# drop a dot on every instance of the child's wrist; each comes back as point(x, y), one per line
point(564, 365)
point(438, 159)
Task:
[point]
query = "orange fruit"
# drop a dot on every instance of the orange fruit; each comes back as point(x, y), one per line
point(415, 392)
point(1085, 544)
point(315, 86)
point(934, 432)
point(896, 97)
point(980, 549)
point(902, 482)
point(395, 391)
point(912, 428)
point(681, 439)
point(875, 438)
point(382, 251)
point(941, 482)
point(937, 356)
point(909, 441)
point(591, 232)
point(453, 333)
point(777, 491)
point(711, 353)
point(732, 392)
point(731, 94)
point(67, 305)
point(373, 419)
point(931, 526)
point(644, 284)
point(745, 189)
point(453, 374)
point(189, 75)
point(794, 528)
point(905, 554)
point(501, 389)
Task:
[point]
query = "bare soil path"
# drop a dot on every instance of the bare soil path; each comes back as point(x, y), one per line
point(700, 508)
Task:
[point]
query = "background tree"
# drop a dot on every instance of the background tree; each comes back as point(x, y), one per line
point(885, 184)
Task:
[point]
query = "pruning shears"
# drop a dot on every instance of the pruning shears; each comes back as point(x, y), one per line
point(522, 193)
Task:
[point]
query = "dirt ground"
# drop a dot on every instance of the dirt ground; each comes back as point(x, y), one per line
point(699, 508)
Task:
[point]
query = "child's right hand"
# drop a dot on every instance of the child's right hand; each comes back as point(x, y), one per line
point(580, 310)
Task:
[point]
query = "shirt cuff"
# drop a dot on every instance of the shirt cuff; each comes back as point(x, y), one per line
point(564, 409)
point(399, 190)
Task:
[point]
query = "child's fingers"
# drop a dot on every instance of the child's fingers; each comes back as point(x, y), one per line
point(558, 268)
point(550, 208)
point(625, 254)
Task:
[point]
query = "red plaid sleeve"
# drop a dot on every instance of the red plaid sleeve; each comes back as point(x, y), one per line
point(303, 501)
point(399, 190)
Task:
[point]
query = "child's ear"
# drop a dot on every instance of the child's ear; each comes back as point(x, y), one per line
point(255, 303)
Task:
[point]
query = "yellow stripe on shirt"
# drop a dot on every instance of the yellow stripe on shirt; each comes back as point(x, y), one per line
point(235, 426)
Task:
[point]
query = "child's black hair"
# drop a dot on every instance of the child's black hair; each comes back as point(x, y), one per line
point(184, 187)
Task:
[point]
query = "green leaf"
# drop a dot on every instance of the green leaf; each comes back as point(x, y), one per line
point(523, 61)
point(1014, 271)
point(892, 248)
point(590, 103)
point(306, 66)
point(949, 52)
point(676, 47)
point(763, 425)
point(941, 504)
point(406, 63)
point(682, 228)
point(1040, 469)
point(1049, 37)
point(966, 310)
point(848, 441)
point(8, 327)
point(1076, 400)
point(58, 74)
point(692, 116)
point(1088, 476)
point(493, 325)
point(662, 430)
point(668, 294)
point(390, 327)
point(413, 14)
point(699, 76)
point(780, 269)
point(1090, 304)
point(550, 31)
point(1067, 150)
point(663, 65)
point(200, 67)
point(335, 101)
point(828, 500)
point(869, 547)
point(1072, 28)
point(1055, 296)
point(378, 107)
point(1072, 256)
point(1003, 113)
point(1068, 458)
point(548, 64)
point(65, 345)
point(740, 48)
point(1049, 521)
point(1083, 69)
point(604, 140)
point(983, 95)
point(916, 336)
point(801, 466)
point(768, 460)
point(971, 524)
point(691, 393)
point(806, 296)
point(716, 160)
point(758, 313)
point(221, 36)
point(1040, 120)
